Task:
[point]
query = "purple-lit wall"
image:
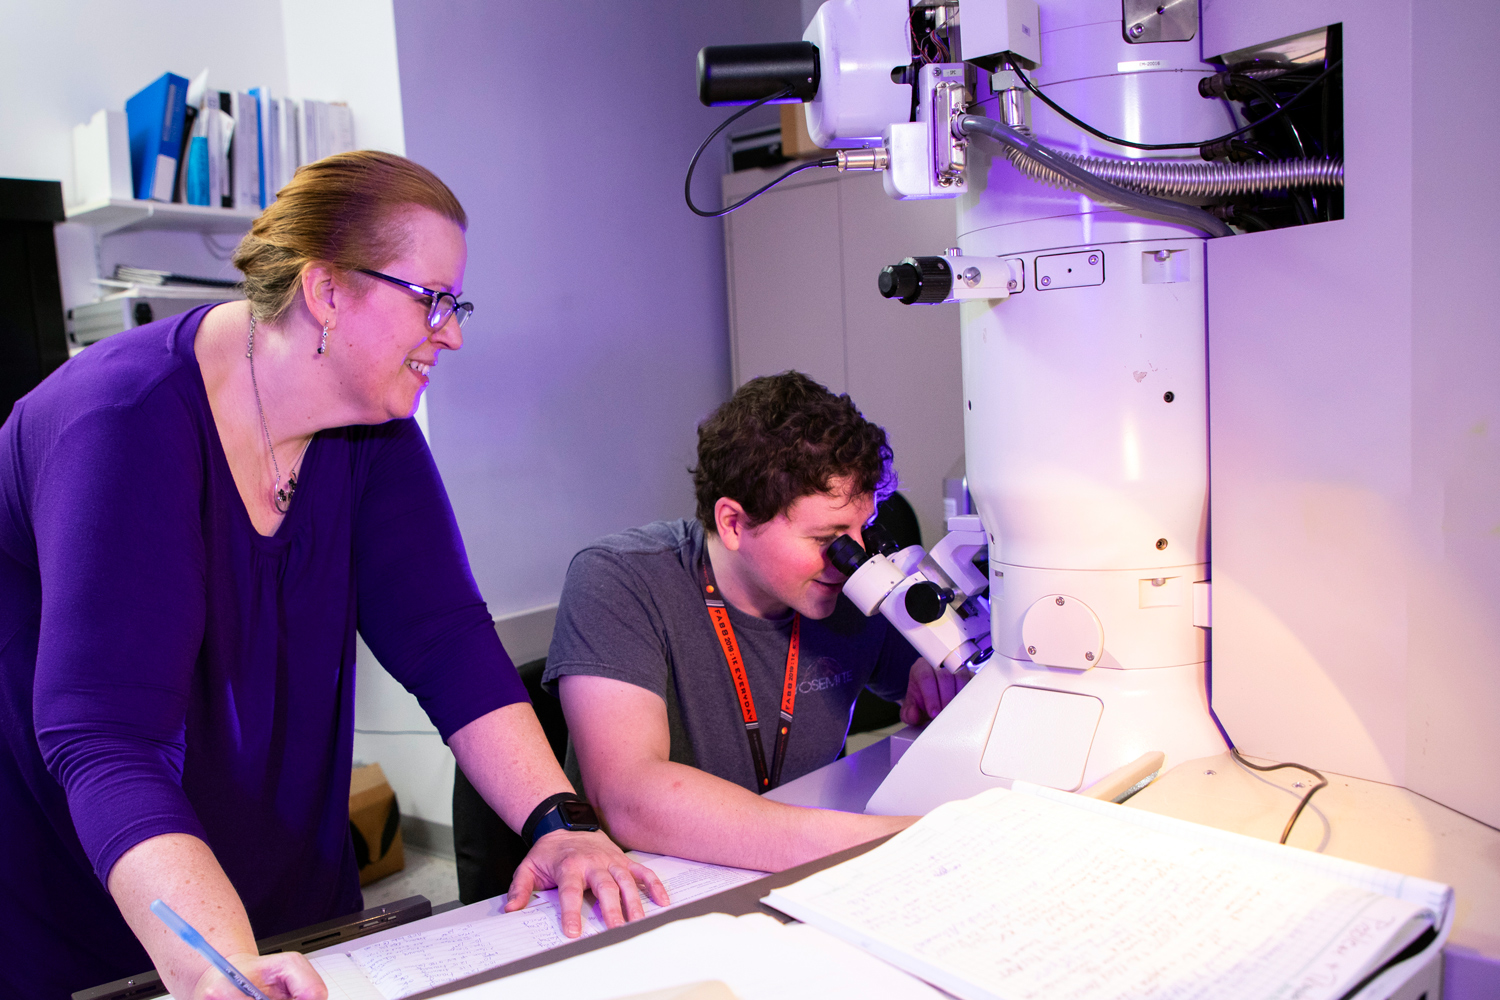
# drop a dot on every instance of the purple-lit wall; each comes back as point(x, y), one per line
point(599, 337)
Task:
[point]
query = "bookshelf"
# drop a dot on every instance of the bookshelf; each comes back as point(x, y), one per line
point(122, 215)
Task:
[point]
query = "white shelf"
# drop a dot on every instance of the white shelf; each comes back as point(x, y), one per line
point(131, 214)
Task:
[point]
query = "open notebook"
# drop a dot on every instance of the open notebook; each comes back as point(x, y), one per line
point(1030, 893)
point(395, 964)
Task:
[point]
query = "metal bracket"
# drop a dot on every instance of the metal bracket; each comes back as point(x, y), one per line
point(1159, 20)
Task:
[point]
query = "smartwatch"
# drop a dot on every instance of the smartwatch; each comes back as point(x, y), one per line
point(564, 811)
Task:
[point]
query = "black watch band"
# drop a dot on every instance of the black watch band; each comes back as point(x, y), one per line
point(550, 814)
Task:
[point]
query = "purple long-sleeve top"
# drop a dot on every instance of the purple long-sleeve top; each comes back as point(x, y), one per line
point(164, 668)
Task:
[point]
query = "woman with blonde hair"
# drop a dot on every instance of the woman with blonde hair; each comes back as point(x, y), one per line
point(196, 516)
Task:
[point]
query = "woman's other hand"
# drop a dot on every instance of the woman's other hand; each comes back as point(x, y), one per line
point(573, 861)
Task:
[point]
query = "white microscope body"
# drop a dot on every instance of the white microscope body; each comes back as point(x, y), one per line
point(1085, 384)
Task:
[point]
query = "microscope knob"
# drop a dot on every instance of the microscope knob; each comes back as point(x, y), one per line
point(900, 281)
point(917, 279)
point(926, 601)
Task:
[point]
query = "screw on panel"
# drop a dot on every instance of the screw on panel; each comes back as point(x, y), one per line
point(1059, 602)
point(1031, 650)
point(1089, 657)
point(1137, 30)
point(1162, 256)
point(1161, 543)
point(1210, 773)
point(1093, 259)
point(1011, 285)
point(1046, 280)
point(1168, 396)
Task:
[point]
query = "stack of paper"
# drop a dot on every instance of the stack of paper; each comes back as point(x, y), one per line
point(1032, 894)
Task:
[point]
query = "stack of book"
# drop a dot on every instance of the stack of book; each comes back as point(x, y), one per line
point(185, 142)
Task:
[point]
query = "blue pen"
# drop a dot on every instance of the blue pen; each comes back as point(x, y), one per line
point(185, 931)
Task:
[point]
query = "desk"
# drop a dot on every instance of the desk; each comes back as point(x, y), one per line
point(1364, 821)
point(1380, 825)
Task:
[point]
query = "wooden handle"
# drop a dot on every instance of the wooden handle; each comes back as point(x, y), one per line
point(1122, 779)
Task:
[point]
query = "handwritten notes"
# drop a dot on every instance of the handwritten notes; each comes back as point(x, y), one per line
point(1012, 896)
point(401, 966)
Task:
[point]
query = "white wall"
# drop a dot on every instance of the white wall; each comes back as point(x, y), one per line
point(599, 334)
point(1356, 390)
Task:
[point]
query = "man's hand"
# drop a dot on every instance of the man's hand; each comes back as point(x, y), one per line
point(283, 976)
point(573, 861)
point(928, 690)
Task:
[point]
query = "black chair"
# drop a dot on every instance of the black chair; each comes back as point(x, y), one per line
point(485, 850)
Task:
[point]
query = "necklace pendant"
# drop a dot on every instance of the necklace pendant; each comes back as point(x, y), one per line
point(282, 495)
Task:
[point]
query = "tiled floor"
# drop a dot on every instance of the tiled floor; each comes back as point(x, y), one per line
point(424, 875)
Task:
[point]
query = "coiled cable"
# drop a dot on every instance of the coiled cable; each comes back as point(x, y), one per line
point(1095, 187)
point(1188, 178)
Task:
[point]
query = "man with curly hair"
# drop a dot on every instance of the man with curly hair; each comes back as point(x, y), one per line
point(703, 662)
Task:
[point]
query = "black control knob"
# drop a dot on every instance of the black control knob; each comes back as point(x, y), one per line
point(926, 601)
point(847, 555)
point(900, 281)
point(917, 279)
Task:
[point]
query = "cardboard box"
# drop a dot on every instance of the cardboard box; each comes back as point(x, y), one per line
point(796, 141)
point(374, 824)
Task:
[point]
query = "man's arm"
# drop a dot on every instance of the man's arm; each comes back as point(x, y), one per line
point(647, 802)
point(506, 756)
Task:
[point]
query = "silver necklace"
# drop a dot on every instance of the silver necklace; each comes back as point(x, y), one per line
point(281, 496)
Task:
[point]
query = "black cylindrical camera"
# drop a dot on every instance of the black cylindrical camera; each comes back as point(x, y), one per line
point(743, 74)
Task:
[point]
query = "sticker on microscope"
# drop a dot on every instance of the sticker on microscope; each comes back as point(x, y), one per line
point(1140, 65)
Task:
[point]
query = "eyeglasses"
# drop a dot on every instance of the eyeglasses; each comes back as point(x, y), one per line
point(444, 304)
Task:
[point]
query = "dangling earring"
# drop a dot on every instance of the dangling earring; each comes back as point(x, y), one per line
point(323, 347)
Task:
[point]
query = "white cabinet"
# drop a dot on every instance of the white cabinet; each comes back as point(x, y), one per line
point(802, 261)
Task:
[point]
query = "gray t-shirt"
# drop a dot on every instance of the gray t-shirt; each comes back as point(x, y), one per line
point(632, 609)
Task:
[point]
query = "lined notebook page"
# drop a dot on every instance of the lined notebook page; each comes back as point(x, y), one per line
point(1014, 896)
point(400, 966)
point(344, 979)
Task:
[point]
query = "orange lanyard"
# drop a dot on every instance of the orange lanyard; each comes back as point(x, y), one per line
point(725, 633)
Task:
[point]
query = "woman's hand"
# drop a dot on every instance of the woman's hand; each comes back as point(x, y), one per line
point(575, 860)
point(928, 690)
point(283, 976)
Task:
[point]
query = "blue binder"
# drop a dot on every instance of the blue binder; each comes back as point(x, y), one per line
point(154, 121)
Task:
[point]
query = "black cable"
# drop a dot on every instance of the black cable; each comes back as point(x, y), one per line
point(1322, 783)
point(1169, 145)
point(687, 184)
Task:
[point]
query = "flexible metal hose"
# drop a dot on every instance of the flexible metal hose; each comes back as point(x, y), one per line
point(1079, 179)
point(1186, 178)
